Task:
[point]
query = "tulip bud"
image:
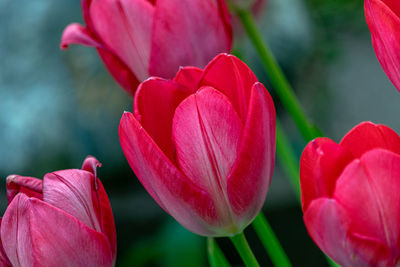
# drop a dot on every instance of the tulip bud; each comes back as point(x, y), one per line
point(351, 196)
point(140, 38)
point(63, 220)
point(203, 145)
point(383, 19)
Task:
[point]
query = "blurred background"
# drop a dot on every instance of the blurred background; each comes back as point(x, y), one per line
point(57, 107)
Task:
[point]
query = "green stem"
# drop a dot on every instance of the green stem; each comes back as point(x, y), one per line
point(215, 256)
point(244, 250)
point(331, 262)
point(270, 242)
point(287, 158)
point(277, 78)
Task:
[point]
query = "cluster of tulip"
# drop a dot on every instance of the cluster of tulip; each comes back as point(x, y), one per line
point(201, 140)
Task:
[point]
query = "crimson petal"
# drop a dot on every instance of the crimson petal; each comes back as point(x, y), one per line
point(30, 186)
point(328, 224)
point(367, 135)
point(232, 77)
point(369, 182)
point(189, 204)
point(321, 164)
point(384, 23)
point(154, 107)
point(125, 28)
point(251, 173)
point(35, 233)
point(206, 131)
point(187, 33)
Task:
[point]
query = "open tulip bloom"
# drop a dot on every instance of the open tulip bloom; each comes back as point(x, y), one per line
point(141, 38)
point(383, 18)
point(351, 196)
point(63, 220)
point(203, 145)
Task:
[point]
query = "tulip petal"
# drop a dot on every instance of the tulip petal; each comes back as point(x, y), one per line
point(189, 204)
point(206, 131)
point(384, 25)
point(251, 174)
point(321, 164)
point(35, 233)
point(367, 136)
point(369, 182)
point(155, 104)
point(30, 186)
point(71, 191)
point(120, 72)
point(85, 4)
point(3, 257)
point(328, 224)
point(78, 34)
point(232, 77)
point(91, 164)
point(189, 77)
point(187, 33)
point(125, 27)
point(101, 204)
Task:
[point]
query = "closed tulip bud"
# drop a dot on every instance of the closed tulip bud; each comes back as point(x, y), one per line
point(63, 220)
point(351, 196)
point(383, 19)
point(203, 145)
point(139, 38)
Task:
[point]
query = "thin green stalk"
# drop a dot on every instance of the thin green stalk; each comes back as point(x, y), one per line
point(215, 256)
point(288, 159)
point(276, 76)
point(270, 241)
point(331, 262)
point(244, 250)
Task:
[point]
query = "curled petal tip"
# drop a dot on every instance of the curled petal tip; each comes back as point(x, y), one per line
point(91, 164)
point(11, 178)
point(78, 34)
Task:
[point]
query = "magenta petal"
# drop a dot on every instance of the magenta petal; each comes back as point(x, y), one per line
point(321, 164)
point(3, 257)
point(369, 182)
point(187, 33)
point(189, 77)
point(78, 34)
point(251, 174)
point(367, 135)
point(384, 25)
point(181, 198)
point(71, 191)
point(36, 234)
point(85, 4)
point(328, 223)
point(125, 27)
point(206, 131)
point(156, 101)
point(91, 164)
point(30, 186)
point(232, 77)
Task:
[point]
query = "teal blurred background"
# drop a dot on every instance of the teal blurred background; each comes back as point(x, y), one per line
point(58, 107)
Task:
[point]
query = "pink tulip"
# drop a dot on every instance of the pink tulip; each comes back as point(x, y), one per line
point(63, 220)
point(203, 145)
point(383, 18)
point(139, 38)
point(351, 196)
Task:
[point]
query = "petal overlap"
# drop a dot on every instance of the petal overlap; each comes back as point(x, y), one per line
point(204, 147)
